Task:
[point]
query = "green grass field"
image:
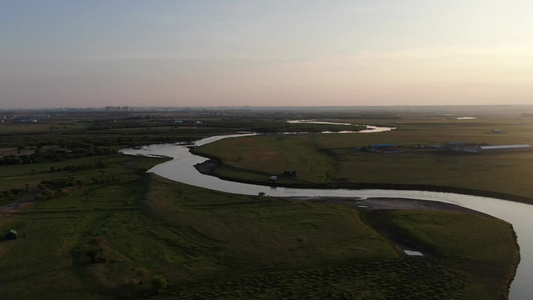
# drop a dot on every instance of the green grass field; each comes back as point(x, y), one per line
point(463, 237)
point(99, 227)
point(207, 244)
point(332, 158)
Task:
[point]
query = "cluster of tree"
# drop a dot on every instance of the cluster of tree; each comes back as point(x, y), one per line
point(103, 179)
point(48, 194)
point(55, 155)
point(125, 123)
point(155, 139)
point(102, 134)
point(60, 183)
point(55, 188)
point(267, 126)
point(143, 284)
point(11, 194)
point(279, 125)
point(75, 168)
point(95, 250)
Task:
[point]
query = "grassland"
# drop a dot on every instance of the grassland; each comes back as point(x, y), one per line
point(437, 233)
point(208, 243)
point(99, 227)
point(322, 159)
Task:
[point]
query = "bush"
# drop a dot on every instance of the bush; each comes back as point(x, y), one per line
point(159, 282)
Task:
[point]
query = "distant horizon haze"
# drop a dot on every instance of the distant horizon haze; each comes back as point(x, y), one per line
point(73, 53)
point(363, 108)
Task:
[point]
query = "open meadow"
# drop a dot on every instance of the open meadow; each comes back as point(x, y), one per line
point(337, 159)
point(92, 224)
point(117, 239)
point(280, 150)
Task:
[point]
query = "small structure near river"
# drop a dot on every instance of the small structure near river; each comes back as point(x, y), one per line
point(291, 173)
point(461, 147)
point(11, 234)
point(507, 147)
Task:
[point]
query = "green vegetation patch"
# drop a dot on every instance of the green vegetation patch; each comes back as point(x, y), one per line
point(263, 233)
point(394, 279)
point(336, 159)
point(99, 227)
point(148, 236)
point(263, 156)
point(487, 246)
point(92, 241)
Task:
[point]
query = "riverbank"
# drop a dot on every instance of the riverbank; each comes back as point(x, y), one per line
point(390, 204)
point(181, 169)
point(209, 167)
point(334, 161)
point(388, 217)
point(266, 241)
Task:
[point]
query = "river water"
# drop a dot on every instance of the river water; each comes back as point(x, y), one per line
point(181, 169)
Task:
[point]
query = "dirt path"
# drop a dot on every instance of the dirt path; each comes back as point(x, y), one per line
point(15, 206)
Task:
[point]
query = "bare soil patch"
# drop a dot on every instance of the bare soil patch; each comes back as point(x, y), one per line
point(390, 204)
point(15, 206)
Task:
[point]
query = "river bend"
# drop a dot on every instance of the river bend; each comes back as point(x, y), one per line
point(181, 169)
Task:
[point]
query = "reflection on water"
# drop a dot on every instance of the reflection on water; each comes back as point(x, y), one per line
point(376, 129)
point(181, 169)
point(317, 122)
point(369, 128)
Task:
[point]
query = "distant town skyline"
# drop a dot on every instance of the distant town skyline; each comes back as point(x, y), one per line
point(73, 53)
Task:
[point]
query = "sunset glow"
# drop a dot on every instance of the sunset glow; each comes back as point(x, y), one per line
point(264, 53)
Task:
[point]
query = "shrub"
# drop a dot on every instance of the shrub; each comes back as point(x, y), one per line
point(159, 282)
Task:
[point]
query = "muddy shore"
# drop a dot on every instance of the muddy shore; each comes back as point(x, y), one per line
point(389, 204)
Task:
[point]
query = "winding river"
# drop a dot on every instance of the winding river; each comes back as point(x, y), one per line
point(181, 169)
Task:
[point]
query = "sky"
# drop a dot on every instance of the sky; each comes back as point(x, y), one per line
point(96, 53)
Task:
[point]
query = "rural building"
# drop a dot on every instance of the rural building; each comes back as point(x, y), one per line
point(461, 147)
point(11, 234)
point(507, 148)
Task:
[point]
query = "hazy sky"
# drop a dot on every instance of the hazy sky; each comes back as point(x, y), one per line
point(227, 53)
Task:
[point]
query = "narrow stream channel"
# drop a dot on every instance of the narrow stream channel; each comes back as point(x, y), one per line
point(181, 169)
